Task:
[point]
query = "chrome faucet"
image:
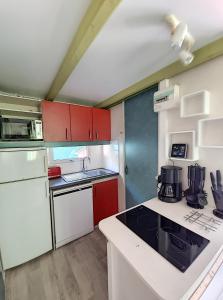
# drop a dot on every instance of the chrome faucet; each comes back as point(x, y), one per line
point(83, 166)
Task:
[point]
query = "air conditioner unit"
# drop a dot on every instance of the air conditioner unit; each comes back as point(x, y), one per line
point(166, 98)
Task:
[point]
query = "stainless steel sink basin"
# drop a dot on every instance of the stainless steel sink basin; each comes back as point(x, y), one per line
point(86, 175)
point(96, 173)
point(75, 177)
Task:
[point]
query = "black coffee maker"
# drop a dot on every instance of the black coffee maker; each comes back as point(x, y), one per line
point(170, 184)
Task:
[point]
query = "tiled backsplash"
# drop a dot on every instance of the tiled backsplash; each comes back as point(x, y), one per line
point(101, 156)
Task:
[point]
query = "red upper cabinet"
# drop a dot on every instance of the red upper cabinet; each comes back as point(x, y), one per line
point(81, 123)
point(56, 121)
point(105, 199)
point(101, 124)
point(66, 122)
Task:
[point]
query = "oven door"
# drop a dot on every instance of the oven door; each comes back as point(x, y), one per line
point(15, 129)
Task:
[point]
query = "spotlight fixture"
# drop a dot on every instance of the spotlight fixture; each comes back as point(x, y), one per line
point(186, 57)
point(181, 39)
point(179, 36)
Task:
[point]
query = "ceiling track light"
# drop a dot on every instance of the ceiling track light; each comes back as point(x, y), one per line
point(186, 57)
point(178, 36)
point(181, 39)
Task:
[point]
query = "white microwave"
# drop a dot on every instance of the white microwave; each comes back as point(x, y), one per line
point(20, 129)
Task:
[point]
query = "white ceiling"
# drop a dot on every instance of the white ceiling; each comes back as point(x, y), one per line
point(135, 42)
point(35, 35)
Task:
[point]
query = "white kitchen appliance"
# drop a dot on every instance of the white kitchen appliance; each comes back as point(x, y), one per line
point(25, 223)
point(73, 213)
point(166, 98)
point(36, 132)
point(20, 129)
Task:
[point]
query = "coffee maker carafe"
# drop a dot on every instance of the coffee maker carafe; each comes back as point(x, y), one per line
point(170, 189)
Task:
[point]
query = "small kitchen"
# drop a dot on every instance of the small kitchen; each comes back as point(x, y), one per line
point(111, 167)
point(76, 197)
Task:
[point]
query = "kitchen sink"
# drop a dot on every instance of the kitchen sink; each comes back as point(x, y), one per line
point(86, 175)
point(96, 173)
point(75, 177)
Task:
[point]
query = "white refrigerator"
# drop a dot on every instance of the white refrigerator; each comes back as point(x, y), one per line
point(25, 221)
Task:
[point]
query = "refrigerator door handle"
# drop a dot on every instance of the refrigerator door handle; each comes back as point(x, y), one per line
point(44, 163)
point(46, 189)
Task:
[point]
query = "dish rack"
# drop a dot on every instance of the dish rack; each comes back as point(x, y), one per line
point(206, 222)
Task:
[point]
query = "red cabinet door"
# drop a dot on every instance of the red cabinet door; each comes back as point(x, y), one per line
point(101, 124)
point(81, 123)
point(105, 199)
point(56, 121)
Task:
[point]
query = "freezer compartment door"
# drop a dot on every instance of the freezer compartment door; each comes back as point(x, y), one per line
point(22, 164)
point(25, 224)
point(73, 215)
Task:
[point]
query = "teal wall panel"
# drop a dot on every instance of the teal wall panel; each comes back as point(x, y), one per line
point(141, 148)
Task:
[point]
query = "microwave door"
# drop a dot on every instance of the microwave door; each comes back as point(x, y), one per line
point(15, 129)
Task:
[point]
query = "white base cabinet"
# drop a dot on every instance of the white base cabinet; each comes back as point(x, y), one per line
point(123, 280)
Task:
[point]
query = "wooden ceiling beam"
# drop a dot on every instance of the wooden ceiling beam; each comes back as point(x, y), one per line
point(96, 16)
point(201, 56)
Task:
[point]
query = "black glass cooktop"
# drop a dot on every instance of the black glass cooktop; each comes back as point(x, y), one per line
point(179, 245)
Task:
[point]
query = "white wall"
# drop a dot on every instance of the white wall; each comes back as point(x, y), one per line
point(113, 154)
point(209, 77)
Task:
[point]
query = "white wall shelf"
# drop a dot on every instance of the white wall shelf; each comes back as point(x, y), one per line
point(183, 137)
point(19, 99)
point(14, 105)
point(182, 159)
point(195, 104)
point(210, 133)
point(18, 112)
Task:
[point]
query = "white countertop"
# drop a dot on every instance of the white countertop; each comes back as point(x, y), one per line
point(166, 280)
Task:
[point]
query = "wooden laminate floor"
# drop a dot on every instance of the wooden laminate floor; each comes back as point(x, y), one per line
point(75, 271)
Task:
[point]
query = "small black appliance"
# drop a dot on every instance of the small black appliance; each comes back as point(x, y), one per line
point(195, 195)
point(217, 191)
point(170, 189)
point(12, 129)
point(179, 151)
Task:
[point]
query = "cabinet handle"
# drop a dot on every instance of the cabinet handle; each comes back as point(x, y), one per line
point(96, 135)
point(66, 133)
point(90, 134)
point(126, 170)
